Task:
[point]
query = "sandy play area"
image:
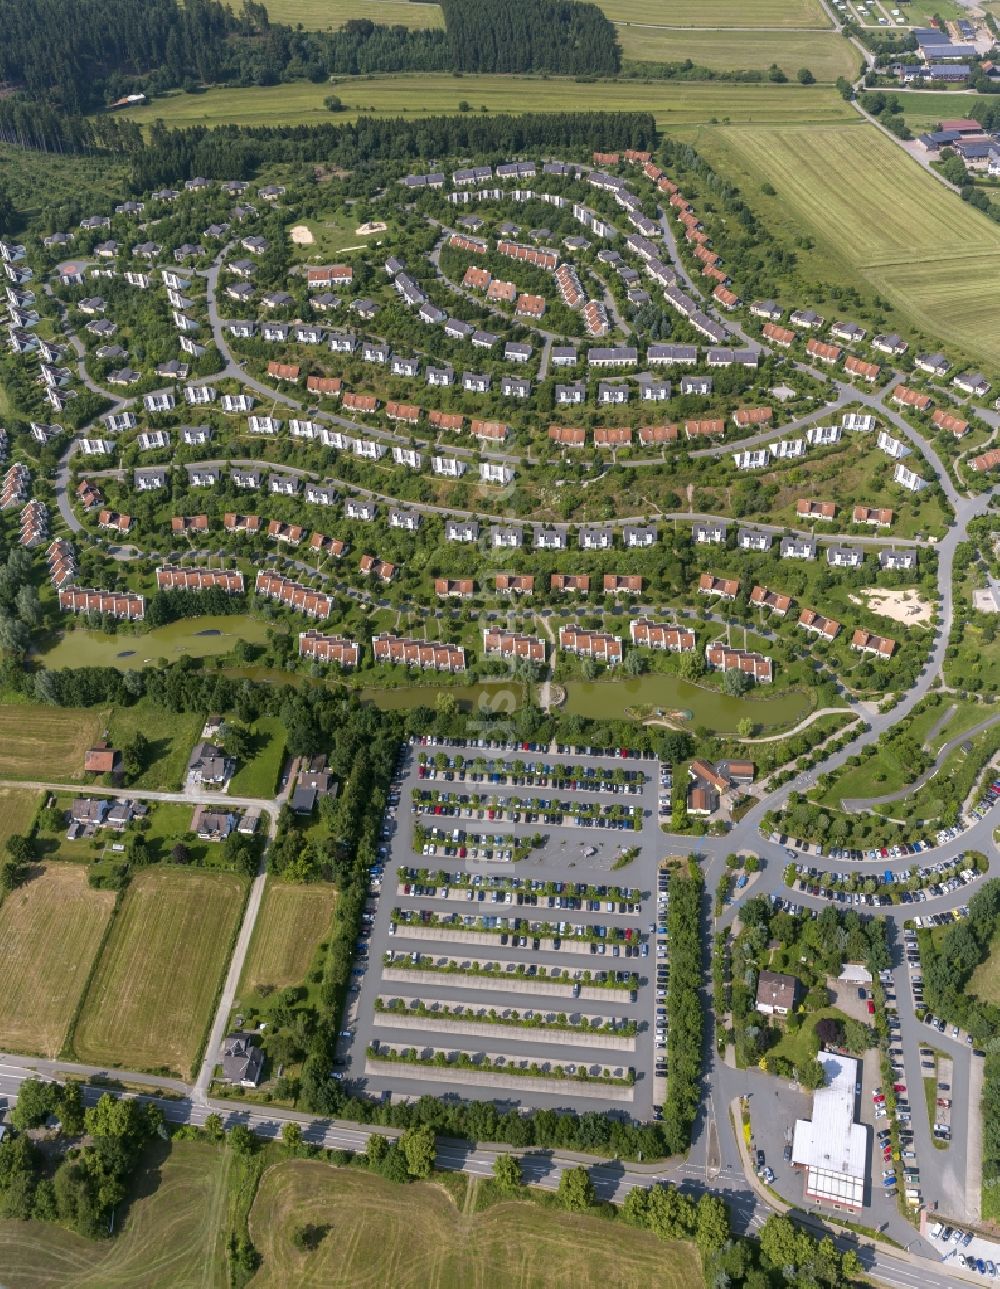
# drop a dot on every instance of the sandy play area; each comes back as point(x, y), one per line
point(302, 236)
point(365, 230)
point(901, 606)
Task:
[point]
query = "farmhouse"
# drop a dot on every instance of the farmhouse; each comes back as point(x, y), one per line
point(877, 517)
point(426, 655)
point(726, 588)
point(808, 509)
point(661, 635)
point(579, 582)
point(865, 642)
point(318, 647)
point(498, 643)
point(721, 658)
point(776, 993)
point(764, 598)
point(810, 620)
point(101, 759)
point(598, 645)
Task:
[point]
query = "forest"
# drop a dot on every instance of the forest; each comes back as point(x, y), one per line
point(560, 36)
point(78, 56)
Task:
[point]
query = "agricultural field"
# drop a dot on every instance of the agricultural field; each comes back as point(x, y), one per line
point(293, 919)
point(171, 736)
point(151, 997)
point(47, 742)
point(323, 15)
point(826, 54)
point(258, 777)
point(872, 213)
point(17, 809)
point(383, 1235)
point(673, 103)
point(717, 13)
point(50, 930)
point(171, 1239)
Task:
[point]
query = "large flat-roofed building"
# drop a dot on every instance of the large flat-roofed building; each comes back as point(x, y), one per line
point(831, 1147)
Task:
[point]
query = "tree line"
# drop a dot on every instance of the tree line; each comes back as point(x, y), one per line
point(685, 1022)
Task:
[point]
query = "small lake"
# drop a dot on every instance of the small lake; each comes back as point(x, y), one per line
point(611, 699)
point(197, 637)
point(495, 699)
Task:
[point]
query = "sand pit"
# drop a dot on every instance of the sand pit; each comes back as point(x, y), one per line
point(302, 236)
point(901, 606)
point(365, 230)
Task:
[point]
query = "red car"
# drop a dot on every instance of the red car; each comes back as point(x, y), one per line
point(871, 1008)
point(899, 1087)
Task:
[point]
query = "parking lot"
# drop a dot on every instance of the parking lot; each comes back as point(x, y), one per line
point(504, 958)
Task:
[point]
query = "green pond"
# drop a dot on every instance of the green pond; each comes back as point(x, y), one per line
point(611, 699)
point(197, 637)
point(499, 698)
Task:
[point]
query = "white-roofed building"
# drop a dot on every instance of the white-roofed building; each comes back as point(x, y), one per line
point(830, 1147)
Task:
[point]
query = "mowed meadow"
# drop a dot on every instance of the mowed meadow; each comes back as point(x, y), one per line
point(673, 103)
point(874, 214)
point(825, 53)
point(151, 996)
point(384, 1236)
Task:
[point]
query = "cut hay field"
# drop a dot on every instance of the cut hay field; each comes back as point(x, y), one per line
point(47, 743)
point(293, 919)
point(826, 54)
point(673, 103)
point(874, 213)
point(321, 15)
point(172, 1237)
point(151, 997)
point(384, 1236)
point(717, 13)
point(50, 930)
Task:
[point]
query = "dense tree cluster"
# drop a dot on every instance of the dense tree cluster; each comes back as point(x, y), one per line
point(78, 1183)
point(76, 56)
point(685, 1022)
point(231, 151)
point(560, 36)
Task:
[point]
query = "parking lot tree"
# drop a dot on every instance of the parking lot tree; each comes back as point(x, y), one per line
point(507, 1174)
point(376, 1149)
point(576, 1189)
point(418, 1149)
point(36, 1100)
point(242, 1140)
point(711, 1223)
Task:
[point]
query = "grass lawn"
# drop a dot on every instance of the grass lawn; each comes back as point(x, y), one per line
point(922, 110)
point(171, 736)
point(932, 256)
point(259, 776)
point(319, 15)
point(170, 1238)
point(985, 981)
point(50, 930)
point(801, 1046)
point(717, 13)
point(826, 54)
point(671, 102)
point(332, 236)
point(960, 770)
point(47, 743)
point(965, 718)
point(384, 1235)
point(293, 920)
point(151, 998)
